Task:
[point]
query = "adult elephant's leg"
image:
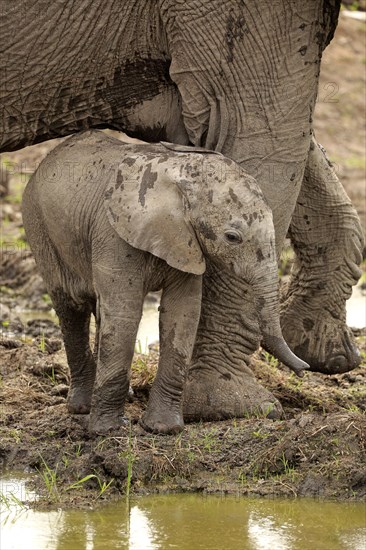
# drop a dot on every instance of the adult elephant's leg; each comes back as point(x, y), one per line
point(328, 241)
point(249, 93)
point(220, 384)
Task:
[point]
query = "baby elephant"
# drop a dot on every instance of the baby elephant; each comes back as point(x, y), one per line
point(107, 223)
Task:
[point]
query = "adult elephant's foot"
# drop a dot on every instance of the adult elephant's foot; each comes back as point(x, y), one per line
point(327, 238)
point(324, 342)
point(211, 396)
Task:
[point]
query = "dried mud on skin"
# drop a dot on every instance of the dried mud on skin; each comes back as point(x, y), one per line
point(317, 450)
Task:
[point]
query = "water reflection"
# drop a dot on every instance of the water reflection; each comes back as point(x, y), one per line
point(189, 522)
point(148, 332)
point(356, 309)
point(264, 534)
point(141, 531)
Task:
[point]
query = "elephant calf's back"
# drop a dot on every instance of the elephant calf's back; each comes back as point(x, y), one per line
point(58, 216)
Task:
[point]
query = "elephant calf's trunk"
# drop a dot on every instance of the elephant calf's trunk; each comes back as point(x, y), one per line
point(278, 347)
point(265, 288)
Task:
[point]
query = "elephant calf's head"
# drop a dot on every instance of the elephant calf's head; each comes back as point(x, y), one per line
point(231, 218)
point(184, 206)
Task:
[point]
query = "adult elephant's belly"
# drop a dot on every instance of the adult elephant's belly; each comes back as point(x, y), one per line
point(138, 98)
point(156, 119)
point(142, 100)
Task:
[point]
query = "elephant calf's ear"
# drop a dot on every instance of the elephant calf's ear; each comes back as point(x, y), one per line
point(145, 208)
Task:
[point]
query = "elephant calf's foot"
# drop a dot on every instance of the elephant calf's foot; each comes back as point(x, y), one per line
point(79, 400)
point(101, 424)
point(213, 397)
point(165, 422)
point(326, 343)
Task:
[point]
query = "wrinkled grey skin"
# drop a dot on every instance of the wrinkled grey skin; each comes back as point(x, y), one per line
point(236, 77)
point(108, 222)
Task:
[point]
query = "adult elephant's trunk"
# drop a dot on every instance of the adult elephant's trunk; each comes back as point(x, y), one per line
point(265, 287)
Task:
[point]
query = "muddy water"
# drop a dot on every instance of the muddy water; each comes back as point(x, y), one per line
point(149, 327)
point(182, 521)
point(148, 332)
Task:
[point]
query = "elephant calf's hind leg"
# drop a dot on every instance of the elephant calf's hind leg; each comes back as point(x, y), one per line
point(74, 323)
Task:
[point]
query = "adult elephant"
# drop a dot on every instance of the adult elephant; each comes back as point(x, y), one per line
point(236, 77)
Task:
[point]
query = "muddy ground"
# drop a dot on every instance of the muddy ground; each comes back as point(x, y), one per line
point(317, 450)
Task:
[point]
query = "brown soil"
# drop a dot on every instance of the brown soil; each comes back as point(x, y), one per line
point(317, 450)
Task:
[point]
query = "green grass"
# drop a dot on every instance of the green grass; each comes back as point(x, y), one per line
point(260, 434)
point(208, 441)
point(9, 500)
point(50, 479)
point(270, 359)
point(52, 482)
point(103, 485)
point(289, 470)
point(14, 434)
point(6, 290)
point(352, 161)
point(286, 261)
point(363, 278)
point(78, 449)
point(46, 299)
point(42, 348)
point(355, 6)
point(142, 372)
point(11, 243)
point(355, 162)
point(138, 347)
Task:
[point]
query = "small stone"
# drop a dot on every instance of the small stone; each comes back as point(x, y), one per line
point(52, 345)
point(305, 419)
point(60, 389)
point(8, 343)
point(5, 313)
point(8, 212)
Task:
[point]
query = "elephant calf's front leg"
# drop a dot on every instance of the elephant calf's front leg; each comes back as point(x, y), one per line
point(179, 315)
point(119, 317)
point(327, 238)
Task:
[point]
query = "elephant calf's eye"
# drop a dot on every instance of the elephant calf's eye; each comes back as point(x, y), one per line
point(233, 237)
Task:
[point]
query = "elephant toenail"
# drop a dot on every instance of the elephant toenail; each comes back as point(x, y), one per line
point(272, 411)
point(338, 363)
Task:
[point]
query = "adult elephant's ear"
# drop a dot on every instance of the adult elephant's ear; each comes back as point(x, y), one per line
point(146, 209)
